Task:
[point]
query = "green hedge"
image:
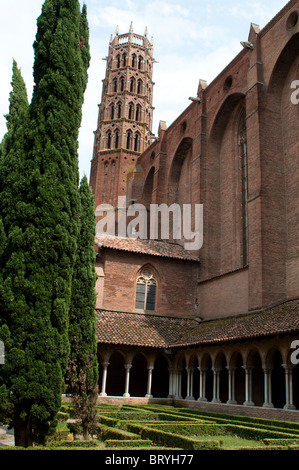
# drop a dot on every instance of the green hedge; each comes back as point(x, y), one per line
point(173, 440)
point(71, 444)
point(257, 434)
point(128, 443)
point(190, 429)
point(108, 421)
point(133, 416)
point(106, 432)
point(203, 414)
point(281, 442)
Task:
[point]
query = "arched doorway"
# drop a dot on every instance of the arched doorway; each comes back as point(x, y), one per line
point(193, 364)
point(237, 363)
point(278, 381)
point(160, 384)
point(138, 376)
point(223, 392)
point(255, 364)
point(116, 375)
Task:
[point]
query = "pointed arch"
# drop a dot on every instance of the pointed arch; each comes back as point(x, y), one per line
point(140, 62)
point(139, 86)
point(146, 289)
point(131, 110)
point(116, 138)
point(132, 85)
point(137, 141)
point(134, 60)
point(109, 139)
point(112, 109)
point(179, 174)
point(138, 112)
point(119, 110)
point(129, 140)
point(281, 187)
point(122, 83)
point(114, 85)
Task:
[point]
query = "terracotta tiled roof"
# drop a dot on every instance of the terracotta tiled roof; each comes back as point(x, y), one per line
point(138, 329)
point(147, 247)
point(282, 319)
point(162, 332)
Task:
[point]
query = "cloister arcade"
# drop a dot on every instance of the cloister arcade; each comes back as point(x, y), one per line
point(259, 374)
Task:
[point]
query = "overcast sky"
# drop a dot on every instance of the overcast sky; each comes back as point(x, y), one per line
point(193, 39)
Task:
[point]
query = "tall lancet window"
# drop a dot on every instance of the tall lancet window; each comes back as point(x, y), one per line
point(146, 290)
point(244, 185)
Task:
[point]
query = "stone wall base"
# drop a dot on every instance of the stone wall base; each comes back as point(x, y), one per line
point(255, 411)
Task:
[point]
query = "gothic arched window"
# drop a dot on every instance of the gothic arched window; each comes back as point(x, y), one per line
point(137, 142)
point(132, 85)
point(109, 140)
point(119, 110)
point(112, 111)
point(242, 138)
point(115, 85)
point(140, 60)
point(131, 111)
point(146, 290)
point(138, 112)
point(116, 139)
point(129, 140)
point(122, 84)
point(139, 87)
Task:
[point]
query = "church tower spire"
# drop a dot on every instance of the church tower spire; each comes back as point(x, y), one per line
point(125, 118)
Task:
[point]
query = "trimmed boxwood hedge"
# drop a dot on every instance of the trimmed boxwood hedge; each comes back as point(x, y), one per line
point(106, 432)
point(174, 440)
point(71, 444)
point(190, 429)
point(257, 434)
point(203, 414)
point(281, 442)
point(128, 442)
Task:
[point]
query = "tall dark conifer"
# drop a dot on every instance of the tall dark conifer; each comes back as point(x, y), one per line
point(42, 226)
point(82, 374)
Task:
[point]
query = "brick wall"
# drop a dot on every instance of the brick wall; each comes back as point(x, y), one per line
point(259, 81)
point(176, 283)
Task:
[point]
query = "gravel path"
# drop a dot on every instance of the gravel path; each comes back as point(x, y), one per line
point(6, 436)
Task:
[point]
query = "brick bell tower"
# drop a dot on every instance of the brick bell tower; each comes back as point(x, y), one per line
point(124, 127)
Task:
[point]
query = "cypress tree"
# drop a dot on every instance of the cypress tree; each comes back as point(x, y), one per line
point(41, 222)
point(11, 160)
point(82, 374)
point(18, 106)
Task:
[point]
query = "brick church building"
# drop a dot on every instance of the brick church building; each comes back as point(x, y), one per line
point(215, 327)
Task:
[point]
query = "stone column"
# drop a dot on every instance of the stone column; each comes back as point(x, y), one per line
point(178, 384)
point(189, 385)
point(216, 383)
point(202, 384)
point(231, 386)
point(267, 388)
point(104, 379)
point(289, 386)
point(172, 383)
point(149, 382)
point(248, 386)
point(127, 367)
